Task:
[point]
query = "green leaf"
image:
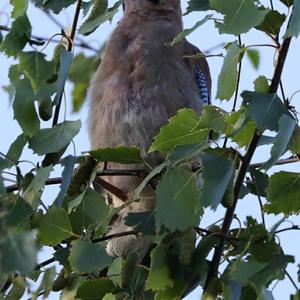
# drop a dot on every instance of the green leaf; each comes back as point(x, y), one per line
point(261, 84)
point(265, 109)
point(272, 22)
point(64, 67)
point(260, 274)
point(50, 140)
point(146, 180)
point(259, 184)
point(176, 192)
point(286, 129)
point(92, 211)
point(120, 154)
point(240, 127)
point(254, 57)
point(109, 296)
point(17, 37)
point(142, 221)
point(20, 8)
point(14, 152)
point(99, 15)
point(197, 5)
point(23, 106)
point(294, 23)
point(228, 75)
point(55, 5)
point(33, 192)
point(159, 274)
point(54, 226)
point(79, 94)
point(294, 145)
point(36, 68)
point(182, 129)
point(19, 214)
point(94, 289)
point(213, 117)
point(275, 269)
point(88, 257)
point(68, 163)
point(231, 289)
point(18, 252)
point(185, 152)
point(82, 69)
point(181, 35)
point(283, 193)
point(17, 290)
point(239, 15)
point(215, 182)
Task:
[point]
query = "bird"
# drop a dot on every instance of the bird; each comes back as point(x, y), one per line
point(140, 84)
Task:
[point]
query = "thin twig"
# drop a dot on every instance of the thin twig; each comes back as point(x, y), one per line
point(294, 227)
point(290, 160)
point(70, 47)
point(115, 235)
point(259, 200)
point(80, 44)
point(140, 173)
point(291, 279)
point(262, 45)
point(45, 263)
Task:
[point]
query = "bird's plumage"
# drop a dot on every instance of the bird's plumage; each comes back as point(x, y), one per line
point(139, 85)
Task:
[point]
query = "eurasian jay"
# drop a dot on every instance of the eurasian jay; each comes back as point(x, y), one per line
point(140, 84)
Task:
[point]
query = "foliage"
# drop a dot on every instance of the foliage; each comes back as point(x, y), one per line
point(76, 222)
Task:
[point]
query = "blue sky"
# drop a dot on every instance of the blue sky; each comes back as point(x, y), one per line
point(205, 38)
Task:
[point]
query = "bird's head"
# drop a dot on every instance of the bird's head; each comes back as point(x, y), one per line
point(135, 5)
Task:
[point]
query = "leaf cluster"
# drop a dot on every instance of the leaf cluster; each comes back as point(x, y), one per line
point(204, 156)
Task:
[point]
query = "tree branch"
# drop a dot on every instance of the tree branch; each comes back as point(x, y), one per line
point(214, 266)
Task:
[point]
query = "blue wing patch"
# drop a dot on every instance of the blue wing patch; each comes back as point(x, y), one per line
point(202, 84)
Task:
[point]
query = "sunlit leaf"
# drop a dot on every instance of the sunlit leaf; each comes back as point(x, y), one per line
point(121, 154)
point(182, 129)
point(20, 8)
point(159, 274)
